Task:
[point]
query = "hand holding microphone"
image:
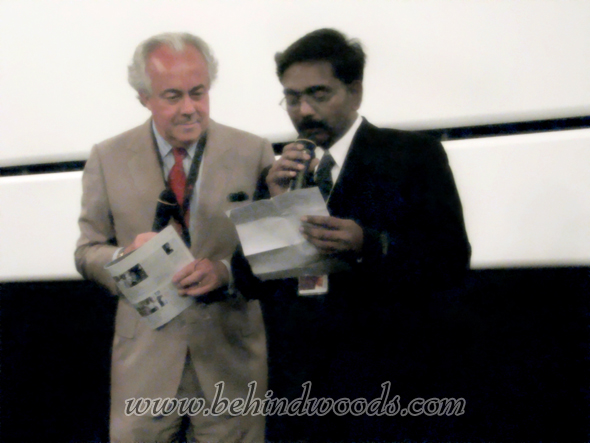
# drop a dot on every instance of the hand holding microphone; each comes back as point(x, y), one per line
point(290, 170)
point(309, 149)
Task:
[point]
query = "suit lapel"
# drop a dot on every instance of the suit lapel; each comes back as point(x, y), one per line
point(349, 178)
point(144, 165)
point(369, 184)
point(217, 164)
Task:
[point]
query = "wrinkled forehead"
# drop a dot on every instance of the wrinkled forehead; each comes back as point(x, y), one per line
point(165, 59)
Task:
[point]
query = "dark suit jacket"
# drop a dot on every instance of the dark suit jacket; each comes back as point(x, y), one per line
point(399, 188)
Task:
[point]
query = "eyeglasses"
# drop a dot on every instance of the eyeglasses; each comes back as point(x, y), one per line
point(315, 96)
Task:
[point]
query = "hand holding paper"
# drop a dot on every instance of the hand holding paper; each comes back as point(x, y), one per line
point(139, 241)
point(144, 276)
point(331, 234)
point(200, 277)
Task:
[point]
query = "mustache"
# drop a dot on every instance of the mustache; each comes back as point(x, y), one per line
point(309, 123)
point(183, 120)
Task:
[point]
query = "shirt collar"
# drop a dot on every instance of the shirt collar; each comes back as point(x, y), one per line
point(164, 147)
point(340, 149)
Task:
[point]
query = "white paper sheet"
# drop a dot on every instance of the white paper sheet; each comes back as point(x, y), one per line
point(144, 277)
point(270, 237)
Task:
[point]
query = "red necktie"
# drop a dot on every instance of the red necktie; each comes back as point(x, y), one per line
point(177, 177)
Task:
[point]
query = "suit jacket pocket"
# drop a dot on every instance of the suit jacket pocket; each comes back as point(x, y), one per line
point(244, 317)
point(126, 320)
point(254, 323)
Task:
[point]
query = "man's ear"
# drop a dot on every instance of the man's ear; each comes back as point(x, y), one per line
point(144, 99)
point(356, 90)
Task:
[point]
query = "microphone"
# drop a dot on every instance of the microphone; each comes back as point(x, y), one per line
point(167, 208)
point(309, 147)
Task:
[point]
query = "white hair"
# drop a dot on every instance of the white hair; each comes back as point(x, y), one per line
point(137, 76)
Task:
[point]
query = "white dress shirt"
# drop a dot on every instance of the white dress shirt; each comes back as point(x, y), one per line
point(340, 149)
point(165, 149)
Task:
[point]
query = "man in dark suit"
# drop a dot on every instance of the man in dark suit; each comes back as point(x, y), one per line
point(395, 218)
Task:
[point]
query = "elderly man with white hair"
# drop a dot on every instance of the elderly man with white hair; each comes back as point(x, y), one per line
point(210, 168)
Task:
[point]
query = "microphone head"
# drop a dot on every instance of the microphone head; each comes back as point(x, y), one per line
point(167, 207)
point(309, 147)
point(167, 197)
point(308, 144)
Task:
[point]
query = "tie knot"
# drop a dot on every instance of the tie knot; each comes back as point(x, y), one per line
point(179, 153)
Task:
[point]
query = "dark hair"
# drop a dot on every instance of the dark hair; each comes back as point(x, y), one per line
point(346, 56)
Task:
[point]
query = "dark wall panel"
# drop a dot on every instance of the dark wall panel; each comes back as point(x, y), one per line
point(56, 340)
point(514, 342)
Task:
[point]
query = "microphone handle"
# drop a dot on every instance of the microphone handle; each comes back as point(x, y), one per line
point(165, 209)
point(299, 179)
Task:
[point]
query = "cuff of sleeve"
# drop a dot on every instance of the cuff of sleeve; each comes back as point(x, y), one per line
point(230, 283)
point(117, 252)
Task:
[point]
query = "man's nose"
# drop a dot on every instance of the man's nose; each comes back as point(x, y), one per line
point(305, 108)
point(187, 106)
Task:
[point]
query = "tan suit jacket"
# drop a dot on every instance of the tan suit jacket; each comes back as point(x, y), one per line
point(226, 341)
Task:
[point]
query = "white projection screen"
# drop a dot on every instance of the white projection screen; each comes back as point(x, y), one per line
point(431, 64)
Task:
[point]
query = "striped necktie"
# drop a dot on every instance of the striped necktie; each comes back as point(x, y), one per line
point(323, 175)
